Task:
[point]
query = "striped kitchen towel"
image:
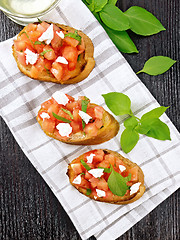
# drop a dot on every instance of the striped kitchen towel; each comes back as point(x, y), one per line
point(20, 101)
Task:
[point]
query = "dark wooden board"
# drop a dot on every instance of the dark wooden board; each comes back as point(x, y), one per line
point(29, 210)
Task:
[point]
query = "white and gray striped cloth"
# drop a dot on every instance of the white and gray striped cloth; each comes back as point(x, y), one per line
point(20, 101)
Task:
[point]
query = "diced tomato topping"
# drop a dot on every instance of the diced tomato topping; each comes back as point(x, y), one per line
point(70, 53)
point(91, 129)
point(76, 116)
point(46, 104)
point(110, 158)
point(21, 57)
point(48, 125)
point(98, 110)
point(61, 113)
point(76, 168)
point(98, 123)
point(39, 47)
point(99, 155)
point(84, 183)
point(34, 72)
point(88, 176)
point(57, 70)
point(20, 45)
point(94, 181)
point(50, 54)
point(53, 109)
point(102, 184)
point(76, 126)
point(134, 173)
point(90, 112)
point(104, 164)
point(71, 41)
point(71, 99)
point(81, 47)
point(40, 64)
point(72, 105)
point(31, 27)
point(56, 42)
point(34, 35)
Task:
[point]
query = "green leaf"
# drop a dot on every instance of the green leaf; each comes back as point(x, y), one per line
point(99, 4)
point(44, 52)
point(61, 118)
point(47, 70)
point(129, 139)
point(128, 178)
point(118, 103)
point(106, 170)
point(114, 18)
point(85, 165)
point(37, 43)
point(74, 35)
point(155, 113)
point(117, 183)
point(143, 22)
point(84, 104)
point(68, 112)
point(122, 40)
point(131, 123)
point(157, 65)
point(39, 20)
point(157, 129)
point(88, 191)
point(112, 2)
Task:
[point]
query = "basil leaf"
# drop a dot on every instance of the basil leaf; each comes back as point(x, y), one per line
point(117, 183)
point(27, 37)
point(60, 118)
point(158, 130)
point(68, 112)
point(157, 65)
point(82, 173)
point(85, 165)
point(122, 40)
point(118, 103)
point(84, 104)
point(155, 113)
point(74, 35)
point(106, 170)
point(37, 43)
point(114, 18)
point(131, 123)
point(98, 5)
point(44, 52)
point(112, 2)
point(88, 191)
point(39, 20)
point(129, 139)
point(128, 178)
point(143, 22)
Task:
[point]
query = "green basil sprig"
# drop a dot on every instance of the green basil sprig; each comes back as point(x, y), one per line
point(60, 118)
point(85, 165)
point(68, 112)
point(84, 104)
point(88, 191)
point(74, 35)
point(149, 124)
point(157, 65)
point(117, 183)
point(44, 52)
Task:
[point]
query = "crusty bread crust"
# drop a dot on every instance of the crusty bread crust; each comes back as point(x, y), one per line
point(109, 130)
point(116, 199)
point(83, 68)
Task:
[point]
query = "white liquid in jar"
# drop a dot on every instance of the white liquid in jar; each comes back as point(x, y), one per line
point(28, 7)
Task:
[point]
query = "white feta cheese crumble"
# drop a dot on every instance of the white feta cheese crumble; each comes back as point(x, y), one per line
point(64, 129)
point(60, 98)
point(31, 57)
point(90, 158)
point(60, 34)
point(77, 180)
point(48, 35)
point(100, 193)
point(96, 172)
point(122, 168)
point(85, 117)
point(44, 115)
point(61, 60)
point(95, 197)
point(134, 188)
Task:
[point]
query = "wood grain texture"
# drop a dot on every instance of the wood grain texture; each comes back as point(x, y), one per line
point(29, 210)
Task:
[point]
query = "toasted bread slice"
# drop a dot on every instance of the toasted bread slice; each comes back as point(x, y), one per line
point(109, 130)
point(88, 181)
point(84, 65)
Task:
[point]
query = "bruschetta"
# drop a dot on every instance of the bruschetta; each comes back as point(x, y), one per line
point(106, 176)
point(76, 121)
point(54, 52)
